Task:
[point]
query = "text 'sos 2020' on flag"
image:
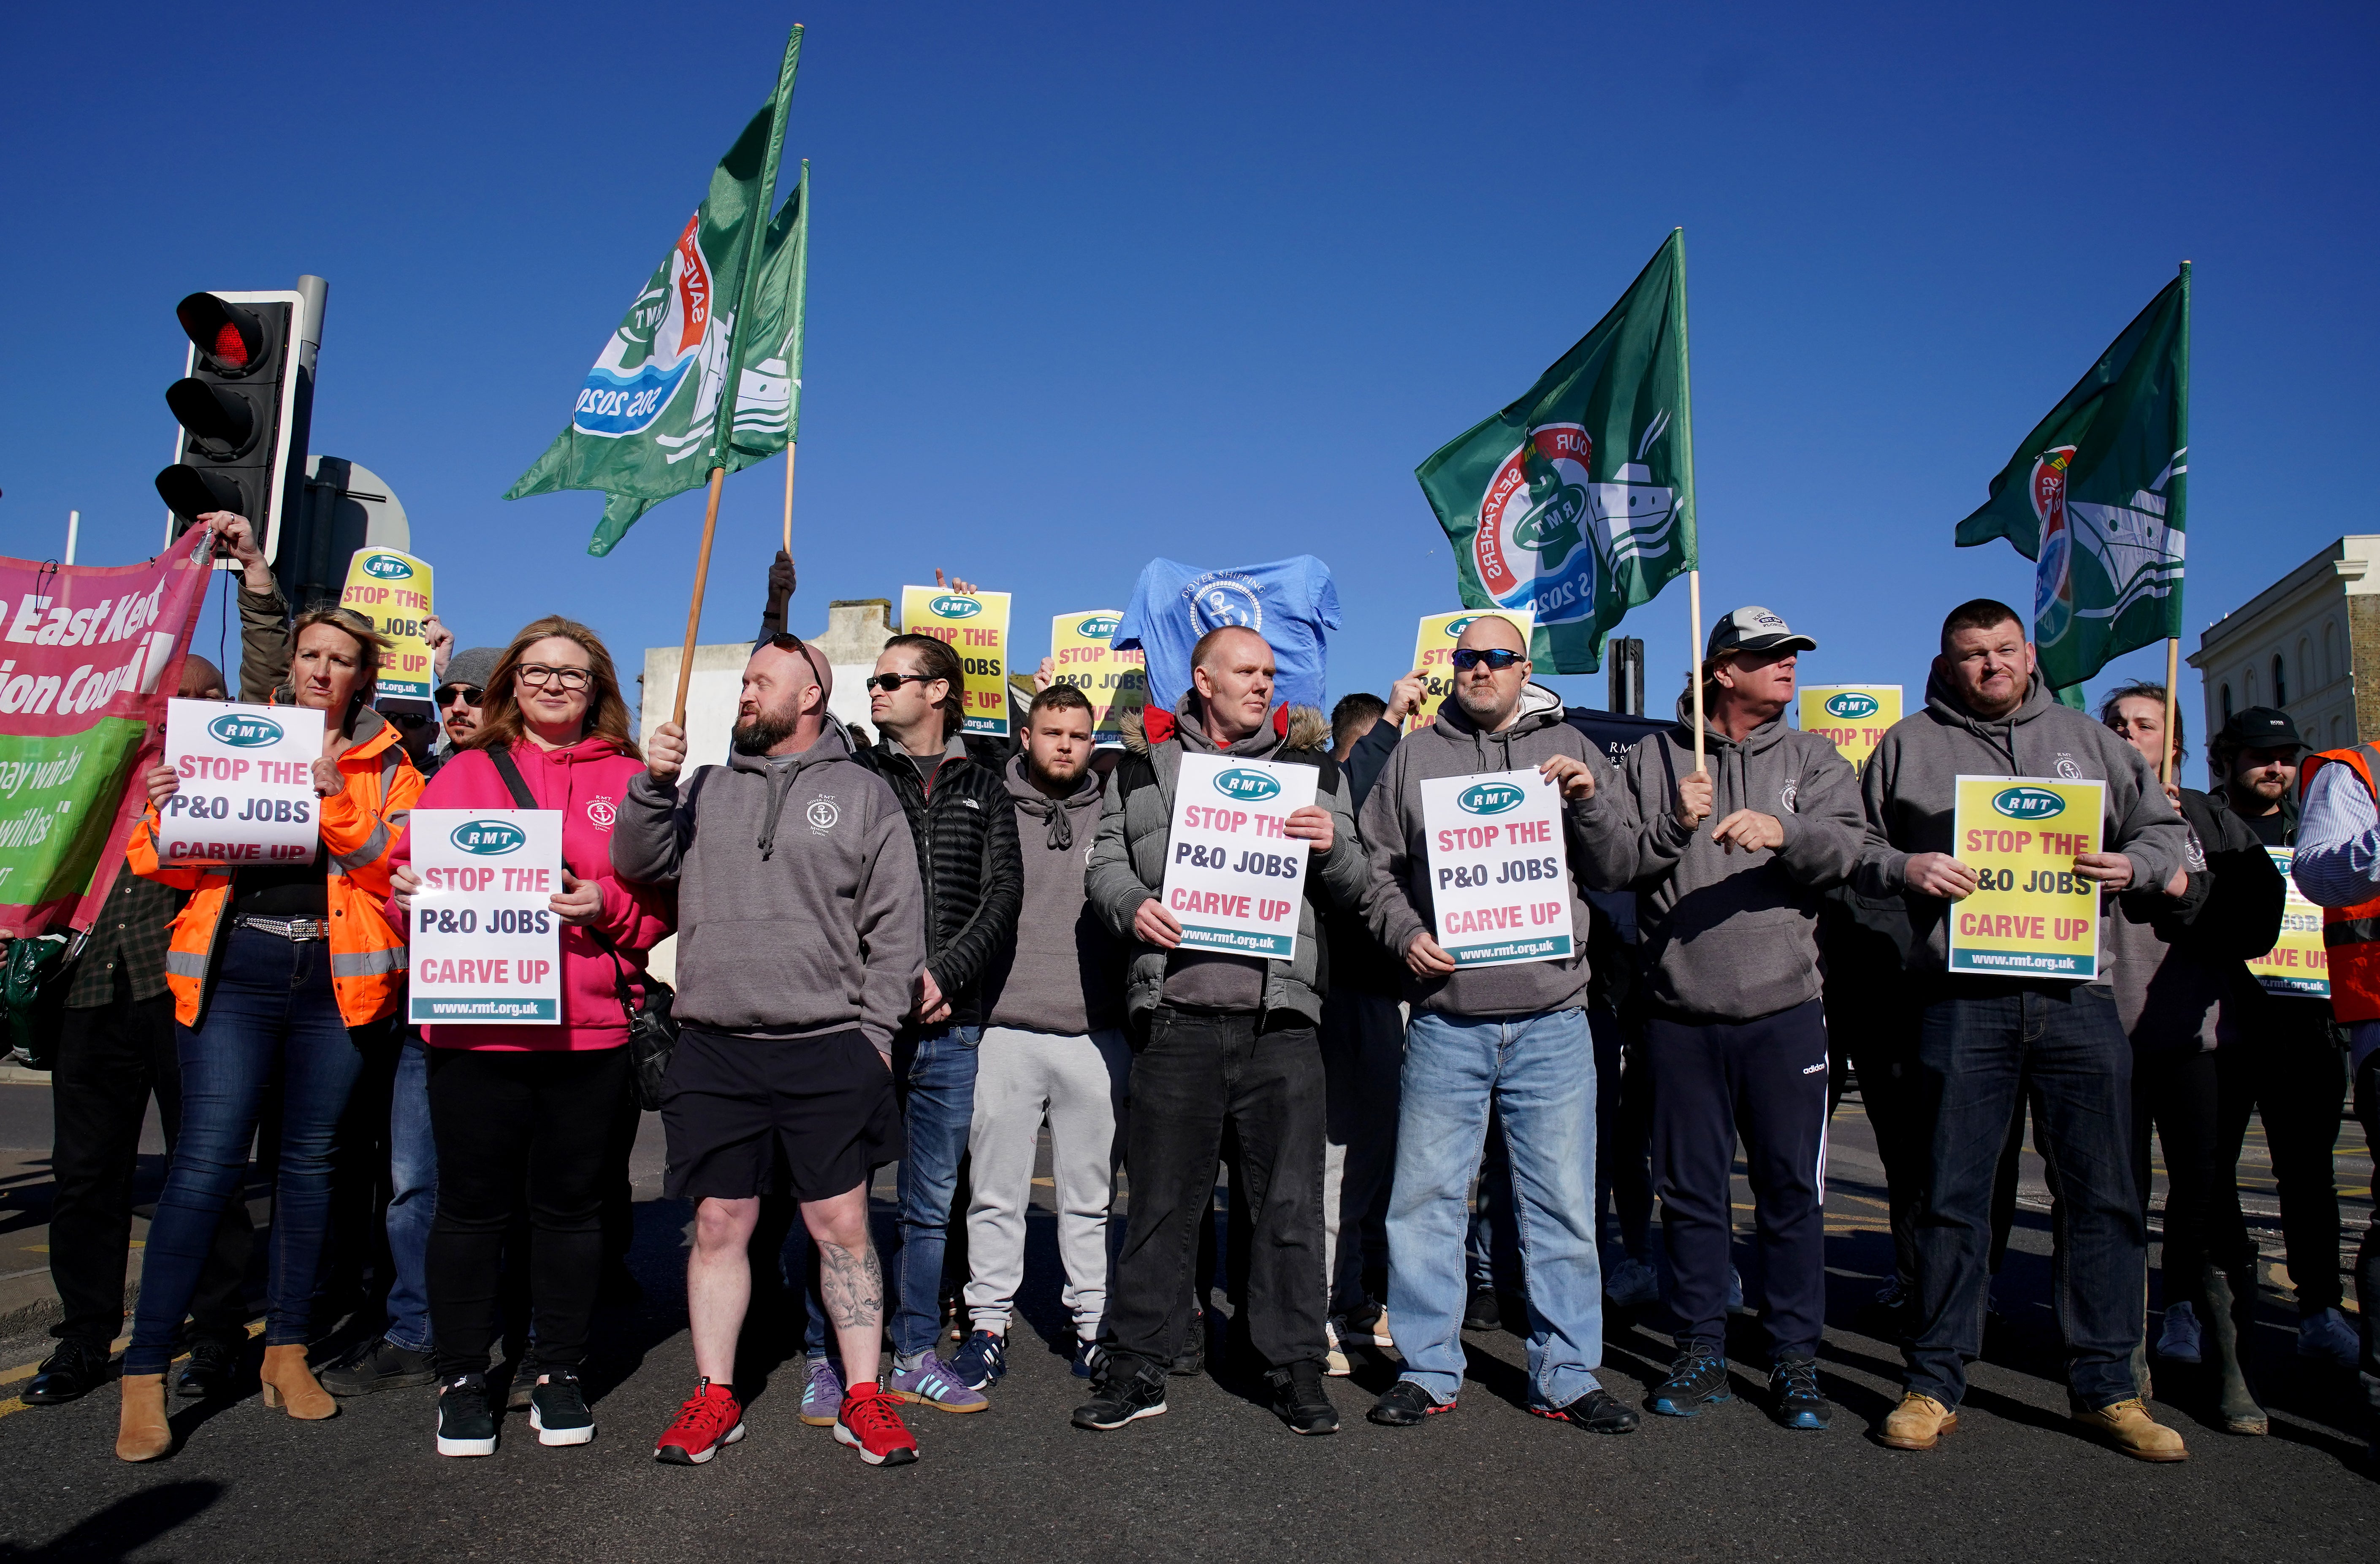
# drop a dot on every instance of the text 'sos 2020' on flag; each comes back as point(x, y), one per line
point(1577, 501)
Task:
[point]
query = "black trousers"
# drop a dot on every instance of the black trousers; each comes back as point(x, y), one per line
point(2293, 1074)
point(1198, 1071)
point(2367, 1254)
point(2180, 1094)
point(111, 1059)
point(519, 1130)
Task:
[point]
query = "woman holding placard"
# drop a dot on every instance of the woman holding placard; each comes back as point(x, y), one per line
point(525, 1113)
point(270, 966)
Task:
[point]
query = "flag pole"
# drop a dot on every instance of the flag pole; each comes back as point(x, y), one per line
point(789, 499)
point(2172, 675)
point(694, 609)
point(1694, 670)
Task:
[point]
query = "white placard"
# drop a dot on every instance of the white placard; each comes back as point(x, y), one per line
point(1232, 880)
point(1499, 869)
point(248, 783)
point(486, 949)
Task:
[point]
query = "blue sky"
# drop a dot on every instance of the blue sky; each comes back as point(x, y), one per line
point(1092, 283)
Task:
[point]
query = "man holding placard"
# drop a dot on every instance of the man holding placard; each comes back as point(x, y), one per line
point(1213, 847)
point(1729, 860)
point(1983, 1036)
point(1473, 830)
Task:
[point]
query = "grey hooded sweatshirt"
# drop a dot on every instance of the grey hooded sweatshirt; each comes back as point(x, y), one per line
point(1401, 905)
point(1909, 791)
point(799, 907)
point(1730, 935)
point(1059, 972)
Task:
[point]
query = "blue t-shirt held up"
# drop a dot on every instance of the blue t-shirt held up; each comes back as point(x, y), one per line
point(1290, 602)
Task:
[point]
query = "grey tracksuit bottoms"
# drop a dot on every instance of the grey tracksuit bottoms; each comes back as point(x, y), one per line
point(1078, 1084)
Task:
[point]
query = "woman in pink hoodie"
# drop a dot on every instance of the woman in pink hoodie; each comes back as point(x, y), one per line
point(523, 1115)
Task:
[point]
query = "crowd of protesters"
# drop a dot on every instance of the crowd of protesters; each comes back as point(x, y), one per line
point(921, 949)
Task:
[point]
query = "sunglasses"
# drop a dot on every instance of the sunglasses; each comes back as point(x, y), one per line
point(1498, 658)
point(786, 640)
point(470, 695)
point(891, 682)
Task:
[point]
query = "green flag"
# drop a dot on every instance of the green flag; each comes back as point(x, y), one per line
point(1578, 499)
point(2095, 498)
point(655, 414)
point(769, 393)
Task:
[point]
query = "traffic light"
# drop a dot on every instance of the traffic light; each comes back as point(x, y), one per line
point(243, 403)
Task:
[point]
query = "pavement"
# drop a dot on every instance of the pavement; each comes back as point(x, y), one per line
point(1218, 1477)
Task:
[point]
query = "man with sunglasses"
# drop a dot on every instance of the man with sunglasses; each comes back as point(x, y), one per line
point(460, 692)
point(1511, 1037)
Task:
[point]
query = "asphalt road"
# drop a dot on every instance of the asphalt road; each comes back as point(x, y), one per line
point(1218, 1477)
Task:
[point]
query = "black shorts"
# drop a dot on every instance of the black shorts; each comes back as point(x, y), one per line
point(812, 1118)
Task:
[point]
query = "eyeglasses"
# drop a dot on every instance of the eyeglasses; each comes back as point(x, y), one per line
point(891, 682)
point(536, 675)
point(469, 695)
point(1497, 657)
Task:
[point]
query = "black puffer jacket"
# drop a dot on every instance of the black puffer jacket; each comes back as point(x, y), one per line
point(965, 831)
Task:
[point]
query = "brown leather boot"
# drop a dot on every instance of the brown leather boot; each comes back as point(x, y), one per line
point(141, 1431)
point(2127, 1426)
point(1917, 1423)
point(289, 1382)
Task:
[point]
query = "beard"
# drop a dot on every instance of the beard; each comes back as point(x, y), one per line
point(764, 732)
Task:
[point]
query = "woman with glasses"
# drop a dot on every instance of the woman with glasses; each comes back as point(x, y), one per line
point(525, 1115)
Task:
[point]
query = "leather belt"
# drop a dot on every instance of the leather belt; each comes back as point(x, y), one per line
point(297, 930)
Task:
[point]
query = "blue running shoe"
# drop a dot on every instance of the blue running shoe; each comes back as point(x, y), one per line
point(822, 1393)
point(1698, 1379)
point(1797, 1402)
point(1090, 1360)
point(930, 1382)
point(980, 1361)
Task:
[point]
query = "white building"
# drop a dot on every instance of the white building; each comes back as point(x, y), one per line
point(857, 629)
point(2298, 645)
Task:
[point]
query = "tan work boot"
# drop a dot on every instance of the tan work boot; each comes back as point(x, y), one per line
point(1917, 1423)
point(141, 1431)
point(2128, 1426)
point(289, 1382)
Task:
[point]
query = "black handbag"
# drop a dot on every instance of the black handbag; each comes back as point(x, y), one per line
point(653, 1030)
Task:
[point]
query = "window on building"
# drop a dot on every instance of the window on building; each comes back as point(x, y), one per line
point(2329, 652)
point(2227, 704)
point(2250, 678)
point(2281, 682)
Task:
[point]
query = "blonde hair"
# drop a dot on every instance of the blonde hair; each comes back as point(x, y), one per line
point(607, 713)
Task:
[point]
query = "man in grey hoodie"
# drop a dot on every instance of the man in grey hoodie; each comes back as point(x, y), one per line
point(1730, 863)
point(801, 935)
point(1515, 1038)
point(1982, 1039)
point(1221, 1038)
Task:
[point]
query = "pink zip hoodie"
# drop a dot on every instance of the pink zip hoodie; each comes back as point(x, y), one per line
point(585, 782)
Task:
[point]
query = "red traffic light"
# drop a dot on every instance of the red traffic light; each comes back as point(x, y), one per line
point(231, 339)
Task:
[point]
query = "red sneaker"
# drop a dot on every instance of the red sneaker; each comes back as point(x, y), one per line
point(710, 1418)
point(870, 1423)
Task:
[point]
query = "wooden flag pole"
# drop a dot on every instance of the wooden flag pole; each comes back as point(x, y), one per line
point(694, 609)
point(2172, 674)
point(789, 499)
point(1695, 676)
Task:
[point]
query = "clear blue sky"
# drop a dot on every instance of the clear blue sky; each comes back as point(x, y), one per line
point(1096, 282)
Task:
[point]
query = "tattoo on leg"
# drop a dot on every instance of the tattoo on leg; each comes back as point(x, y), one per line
point(852, 1286)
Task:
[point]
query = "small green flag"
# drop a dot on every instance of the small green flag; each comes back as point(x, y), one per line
point(769, 394)
point(655, 414)
point(1578, 499)
point(2096, 497)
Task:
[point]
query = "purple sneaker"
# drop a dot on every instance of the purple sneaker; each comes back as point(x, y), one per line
point(932, 1383)
point(823, 1394)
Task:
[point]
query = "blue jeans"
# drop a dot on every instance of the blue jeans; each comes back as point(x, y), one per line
point(270, 1014)
point(937, 1075)
point(412, 1198)
point(1493, 1249)
point(1982, 1041)
point(1538, 1072)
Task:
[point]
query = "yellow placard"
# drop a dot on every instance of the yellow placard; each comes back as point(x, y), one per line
point(391, 589)
point(2300, 962)
point(1433, 651)
point(1115, 683)
point(1853, 716)
point(2032, 915)
point(975, 626)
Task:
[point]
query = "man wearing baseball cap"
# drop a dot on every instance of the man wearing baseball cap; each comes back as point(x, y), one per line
point(1730, 863)
point(461, 690)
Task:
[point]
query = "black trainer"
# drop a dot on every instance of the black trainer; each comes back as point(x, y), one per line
point(71, 1372)
point(377, 1365)
point(1122, 1399)
point(557, 1410)
point(1794, 1397)
point(1480, 1312)
point(1403, 1404)
point(211, 1370)
point(466, 1424)
point(522, 1387)
point(1299, 1400)
point(1598, 1412)
point(1698, 1379)
point(1192, 1359)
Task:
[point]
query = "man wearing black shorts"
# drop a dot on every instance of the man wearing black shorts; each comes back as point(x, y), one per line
point(801, 933)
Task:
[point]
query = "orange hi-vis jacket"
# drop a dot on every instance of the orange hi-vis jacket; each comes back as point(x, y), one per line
point(360, 824)
point(2350, 936)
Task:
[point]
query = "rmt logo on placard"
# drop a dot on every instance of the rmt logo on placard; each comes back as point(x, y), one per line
point(2028, 803)
point(488, 839)
point(1852, 706)
point(1489, 799)
point(242, 730)
point(1244, 786)
point(953, 606)
point(387, 567)
point(1097, 627)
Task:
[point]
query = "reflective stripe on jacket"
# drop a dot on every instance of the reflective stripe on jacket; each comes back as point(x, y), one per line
point(2350, 935)
point(358, 827)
